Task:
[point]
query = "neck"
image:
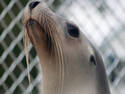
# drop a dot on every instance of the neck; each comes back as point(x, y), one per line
point(73, 76)
point(50, 75)
point(74, 82)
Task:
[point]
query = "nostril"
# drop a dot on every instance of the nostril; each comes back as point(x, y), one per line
point(33, 4)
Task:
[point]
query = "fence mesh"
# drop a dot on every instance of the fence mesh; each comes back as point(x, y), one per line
point(102, 21)
point(13, 69)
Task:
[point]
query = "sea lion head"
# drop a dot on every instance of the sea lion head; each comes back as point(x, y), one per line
point(62, 43)
point(49, 32)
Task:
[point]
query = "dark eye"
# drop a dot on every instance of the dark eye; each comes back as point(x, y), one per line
point(73, 30)
point(92, 60)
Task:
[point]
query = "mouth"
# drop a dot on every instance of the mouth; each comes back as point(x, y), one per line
point(40, 23)
point(38, 35)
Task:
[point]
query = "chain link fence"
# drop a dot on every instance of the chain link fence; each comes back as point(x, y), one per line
point(13, 69)
point(102, 21)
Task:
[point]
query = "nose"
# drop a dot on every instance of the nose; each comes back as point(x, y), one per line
point(33, 4)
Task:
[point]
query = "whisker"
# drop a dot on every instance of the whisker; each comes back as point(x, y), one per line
point(26, 42)
point(60, 61)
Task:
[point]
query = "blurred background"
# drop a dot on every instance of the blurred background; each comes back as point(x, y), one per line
point(102, 21)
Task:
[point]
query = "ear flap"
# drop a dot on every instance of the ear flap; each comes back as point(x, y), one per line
point(93, 59)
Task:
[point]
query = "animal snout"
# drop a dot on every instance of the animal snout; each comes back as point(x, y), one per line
point(33, 4)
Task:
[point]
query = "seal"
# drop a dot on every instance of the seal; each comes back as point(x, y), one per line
point(70, 63)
